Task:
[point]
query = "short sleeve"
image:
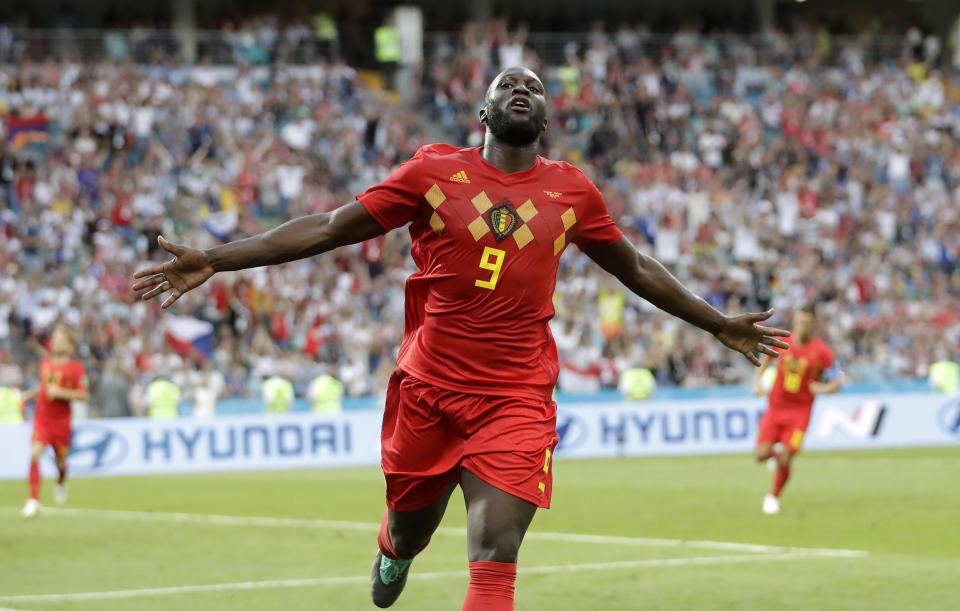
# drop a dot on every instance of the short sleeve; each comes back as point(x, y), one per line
point(596, 228)
point(80, 376)
point(827, 357)
point(395, 201)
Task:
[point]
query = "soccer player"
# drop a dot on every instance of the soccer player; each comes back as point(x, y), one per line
point(470, 401)
point(799, 372)
point(62, 380)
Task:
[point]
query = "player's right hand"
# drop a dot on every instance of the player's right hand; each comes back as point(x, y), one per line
point(188, 269)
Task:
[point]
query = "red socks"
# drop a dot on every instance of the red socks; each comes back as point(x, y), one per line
point(383, 539)
point(491, 586)
point(34, 480)
point(779, 479)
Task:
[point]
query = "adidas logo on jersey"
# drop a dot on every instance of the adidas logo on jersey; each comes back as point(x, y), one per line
point(460, 176)
point(553, 194)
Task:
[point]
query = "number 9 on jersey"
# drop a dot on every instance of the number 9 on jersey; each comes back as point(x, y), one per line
point(491, 259)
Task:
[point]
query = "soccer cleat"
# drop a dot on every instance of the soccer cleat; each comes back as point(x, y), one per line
point(30, 508)
point(387, 579)
point(771, 505)
point(60, 493)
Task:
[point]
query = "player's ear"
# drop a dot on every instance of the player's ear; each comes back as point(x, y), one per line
point(483, 115)
point(544, 128)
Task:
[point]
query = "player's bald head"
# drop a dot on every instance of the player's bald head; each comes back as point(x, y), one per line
point(526, 74)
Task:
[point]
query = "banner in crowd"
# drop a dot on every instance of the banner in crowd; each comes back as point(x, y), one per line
point(708, 426)
point(588, 430)
point(133, 446)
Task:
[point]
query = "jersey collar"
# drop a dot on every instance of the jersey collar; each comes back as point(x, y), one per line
point(507, 176)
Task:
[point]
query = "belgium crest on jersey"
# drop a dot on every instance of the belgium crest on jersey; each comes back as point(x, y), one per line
point(503, 219)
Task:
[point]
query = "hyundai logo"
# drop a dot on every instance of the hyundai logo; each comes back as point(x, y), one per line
point(950, 417)
point(94, 447)
point(571, 430)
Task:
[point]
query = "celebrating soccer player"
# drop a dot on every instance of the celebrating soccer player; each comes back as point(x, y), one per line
point(799, 372)
point(470, 401)
point(62, 380)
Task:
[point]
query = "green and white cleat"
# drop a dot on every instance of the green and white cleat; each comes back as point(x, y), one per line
point(387, 577)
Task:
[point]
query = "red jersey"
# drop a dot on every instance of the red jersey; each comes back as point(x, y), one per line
point(487, 244)
point(796, 368)
point(55, 413)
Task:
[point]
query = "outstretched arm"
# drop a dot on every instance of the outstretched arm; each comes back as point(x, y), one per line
point(826, 388)
point(68, 394)
point(646, 277)
point(296, 239)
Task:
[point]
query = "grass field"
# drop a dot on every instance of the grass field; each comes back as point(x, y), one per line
point(305, 539)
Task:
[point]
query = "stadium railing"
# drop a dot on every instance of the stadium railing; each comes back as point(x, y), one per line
point(232, 47)
point(236, 406)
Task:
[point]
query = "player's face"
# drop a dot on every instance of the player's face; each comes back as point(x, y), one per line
point(61, 342)
point(516, 107)
point(803, 326)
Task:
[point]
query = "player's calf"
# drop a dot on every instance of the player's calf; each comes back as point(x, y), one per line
point(784, 456)
point(402, 536)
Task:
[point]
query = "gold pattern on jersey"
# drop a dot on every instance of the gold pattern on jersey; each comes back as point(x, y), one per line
point(559, 243)
point(460, 177)
point(527, 211)
point(569, 219)
point(553, 194)
point(436, 223)
point(434, 196)
point(523, 236)
point(481, 202)
point(478, 228)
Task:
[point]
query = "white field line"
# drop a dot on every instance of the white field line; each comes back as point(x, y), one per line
point(320, 581)
point(202, 518)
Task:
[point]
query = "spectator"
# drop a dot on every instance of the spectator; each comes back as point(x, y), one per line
point(763, 175)
point(111, 394)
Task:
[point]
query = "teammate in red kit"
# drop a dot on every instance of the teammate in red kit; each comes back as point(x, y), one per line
point(62, 380)
point(470, 401)
point(799, 372)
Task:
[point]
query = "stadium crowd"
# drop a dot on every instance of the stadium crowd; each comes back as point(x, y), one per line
point(763, 174)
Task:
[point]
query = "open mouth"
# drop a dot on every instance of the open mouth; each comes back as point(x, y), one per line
point(520, 105)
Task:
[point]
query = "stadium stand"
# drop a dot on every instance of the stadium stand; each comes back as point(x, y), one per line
point(768, 170)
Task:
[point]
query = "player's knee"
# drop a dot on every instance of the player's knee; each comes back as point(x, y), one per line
point(762, 453)
point(407, 544)
point(500, 546)
point(783, 459)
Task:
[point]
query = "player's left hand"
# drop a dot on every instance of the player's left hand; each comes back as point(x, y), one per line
point(744, 334)
point(54, 392)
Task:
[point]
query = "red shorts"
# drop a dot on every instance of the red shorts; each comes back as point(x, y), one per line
point(56, 436)
point(429, 434)
point(788, 426)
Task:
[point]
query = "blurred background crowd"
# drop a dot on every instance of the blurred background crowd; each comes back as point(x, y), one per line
point(764, 170)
